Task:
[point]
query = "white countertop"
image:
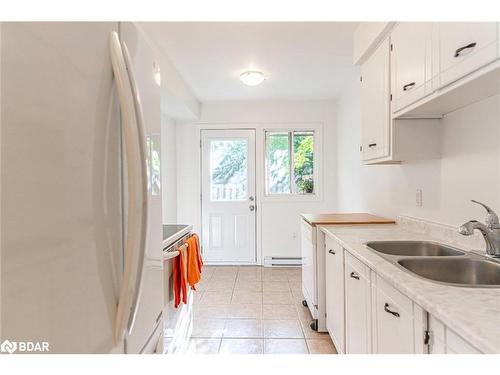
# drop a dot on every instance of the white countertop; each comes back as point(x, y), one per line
point(473, 313)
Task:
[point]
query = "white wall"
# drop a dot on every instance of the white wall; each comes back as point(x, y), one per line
point(468, 169)
point(278, 229)
point(168, 170)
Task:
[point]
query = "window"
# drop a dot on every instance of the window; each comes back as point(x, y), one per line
point(228, 170)
point(290, 162)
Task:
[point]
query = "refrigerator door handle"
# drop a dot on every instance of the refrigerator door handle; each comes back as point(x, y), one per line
point(143, 156)
point(136, 205)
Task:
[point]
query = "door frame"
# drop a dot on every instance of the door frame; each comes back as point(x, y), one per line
point(258, 217)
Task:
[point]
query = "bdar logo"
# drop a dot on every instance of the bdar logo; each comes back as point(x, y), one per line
point(8, 347)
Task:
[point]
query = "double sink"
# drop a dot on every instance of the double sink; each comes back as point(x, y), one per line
point(440, 263)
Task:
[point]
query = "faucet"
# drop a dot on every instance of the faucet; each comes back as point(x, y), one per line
point(490, 230)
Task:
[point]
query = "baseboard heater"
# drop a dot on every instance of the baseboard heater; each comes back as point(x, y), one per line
point(282, 262)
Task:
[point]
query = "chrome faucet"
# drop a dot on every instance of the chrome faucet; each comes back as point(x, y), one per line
point(490, 230)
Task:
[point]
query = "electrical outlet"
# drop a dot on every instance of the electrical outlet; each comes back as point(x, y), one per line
point(418, 198)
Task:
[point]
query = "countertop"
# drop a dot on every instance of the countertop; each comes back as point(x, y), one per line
point(345, 218)
point(473, 313)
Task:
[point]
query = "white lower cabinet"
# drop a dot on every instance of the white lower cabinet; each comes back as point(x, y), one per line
point(365, 314)
point(334, 278)
point(357, 306)
point(398, 323)
point(445, 341)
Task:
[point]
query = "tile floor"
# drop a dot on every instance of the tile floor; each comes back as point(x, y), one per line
point(253, 310)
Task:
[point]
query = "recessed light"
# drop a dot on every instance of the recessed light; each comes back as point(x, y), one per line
point(252, 77)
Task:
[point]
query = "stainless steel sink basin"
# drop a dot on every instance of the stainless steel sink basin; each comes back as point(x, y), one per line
point(413, 248)
point(477, 272)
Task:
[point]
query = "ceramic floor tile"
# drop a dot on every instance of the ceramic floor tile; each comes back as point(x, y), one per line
point(279, 328)
point(208, 328)
point(280, 312)
point(295, 286)
point(275, 286)
point(242, 296)
point(251, 286)
point(321, 346)
point(243, 328)
point(244, 311)
point(241, 346)
point(220, 285)
point(249, 277)
point(197, 295)
point(274, 277)
point(210, 311)
point(216, 298)
point(285, 346)
point(224, 276)
point(277, 298)
point(203, 346)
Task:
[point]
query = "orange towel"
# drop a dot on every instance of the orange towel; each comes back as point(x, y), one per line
point(180, 276)
point(194, 261)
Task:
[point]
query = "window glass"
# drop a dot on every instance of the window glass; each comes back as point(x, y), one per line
point(303, 151)
point(228, 170)
point(278, 163)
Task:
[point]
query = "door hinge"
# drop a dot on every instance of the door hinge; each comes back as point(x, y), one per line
point(360, 78)
point(360, 148)
point(390, 97)
point(391, 47)
point(427, 337)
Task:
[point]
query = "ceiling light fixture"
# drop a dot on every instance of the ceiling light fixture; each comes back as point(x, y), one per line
point(252, 77)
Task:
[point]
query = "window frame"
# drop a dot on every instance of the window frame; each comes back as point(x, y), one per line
point(293, 195)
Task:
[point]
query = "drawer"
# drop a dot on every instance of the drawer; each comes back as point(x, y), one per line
point(396, 296)
point(357, 266)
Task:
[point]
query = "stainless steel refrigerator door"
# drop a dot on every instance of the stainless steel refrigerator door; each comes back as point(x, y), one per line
point(61, 186)
point(150, 298)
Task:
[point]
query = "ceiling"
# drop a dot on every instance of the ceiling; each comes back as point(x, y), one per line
point(304, 60)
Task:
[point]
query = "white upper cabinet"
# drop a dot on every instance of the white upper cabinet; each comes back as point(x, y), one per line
point(375, 98)
point(465, 47)
point(411, 62)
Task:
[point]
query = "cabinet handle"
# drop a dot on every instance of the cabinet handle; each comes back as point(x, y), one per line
point(468, 46)
point(354, 276)
point(386, 308)
point(408, 86)
point(331, 252)
point(372, 145)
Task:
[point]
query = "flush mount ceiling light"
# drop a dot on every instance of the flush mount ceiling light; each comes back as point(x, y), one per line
point(252, 77)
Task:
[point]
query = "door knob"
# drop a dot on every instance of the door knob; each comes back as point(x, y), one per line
point(251, 207)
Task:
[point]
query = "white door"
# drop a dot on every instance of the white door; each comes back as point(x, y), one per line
point(228, 196)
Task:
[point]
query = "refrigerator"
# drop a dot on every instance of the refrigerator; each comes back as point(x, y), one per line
point(81, 226)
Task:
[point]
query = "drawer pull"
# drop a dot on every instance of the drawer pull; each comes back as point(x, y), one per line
point(386, 308)
point(354, 276)
point(468, 46)
point(331, 251)
point(408, 86)
point(372, 145)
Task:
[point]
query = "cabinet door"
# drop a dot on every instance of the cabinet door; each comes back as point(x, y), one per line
point(357, 307)
point(392, 320)
point(334, 277)
point(375, 101)
point(465, 47)
point(411, 62)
